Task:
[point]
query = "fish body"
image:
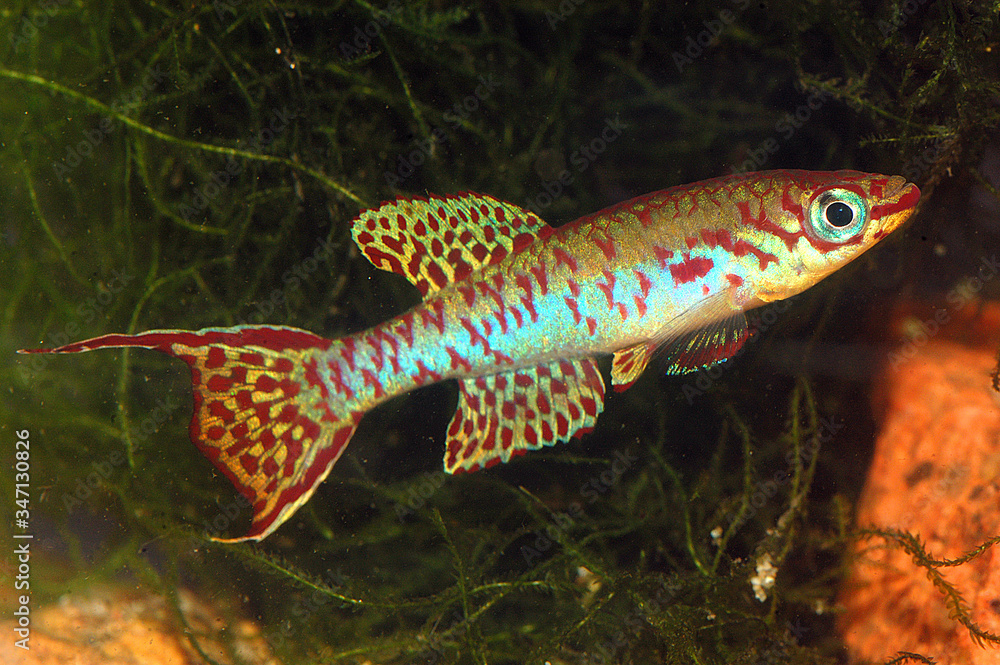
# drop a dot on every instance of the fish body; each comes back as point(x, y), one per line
point(519, 313)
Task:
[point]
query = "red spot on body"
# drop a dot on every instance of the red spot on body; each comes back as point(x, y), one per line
point(764, 224)
point(644, 282)
point(529, 306)
point(562, 425)
point(468, 293)
point(269, 466)
point(436, 275)
point(573, 307)
point(475, 337)
point(690, 269)
point(662, 255)
point(541, 278)
point(252, 358)
point(562, 256)
point(530, 435)
point(735, 280)
point(608, 247)
point(608, 286)
point(371, 381)
point(432, 312)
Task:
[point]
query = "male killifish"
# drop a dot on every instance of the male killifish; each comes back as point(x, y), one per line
point(519, 312)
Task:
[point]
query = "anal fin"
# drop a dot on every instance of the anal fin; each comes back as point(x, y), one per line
point(506, 414)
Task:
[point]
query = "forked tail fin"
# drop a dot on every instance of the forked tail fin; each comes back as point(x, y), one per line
point(262, 412)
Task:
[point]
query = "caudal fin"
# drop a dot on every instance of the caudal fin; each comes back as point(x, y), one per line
point(262, 412)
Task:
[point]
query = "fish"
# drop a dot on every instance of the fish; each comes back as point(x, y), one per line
point(519, 313)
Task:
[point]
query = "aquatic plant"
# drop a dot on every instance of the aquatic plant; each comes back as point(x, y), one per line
point(182, 165)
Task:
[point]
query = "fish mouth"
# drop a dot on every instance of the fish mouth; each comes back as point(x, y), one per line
point(900, 196)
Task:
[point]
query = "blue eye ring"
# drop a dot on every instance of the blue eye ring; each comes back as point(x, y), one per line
point(837, 215)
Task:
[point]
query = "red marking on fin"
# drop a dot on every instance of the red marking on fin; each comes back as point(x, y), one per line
point(276, 381)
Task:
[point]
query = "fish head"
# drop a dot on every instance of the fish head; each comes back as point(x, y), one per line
point(820, 221)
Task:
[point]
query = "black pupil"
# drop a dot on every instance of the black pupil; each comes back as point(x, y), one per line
point(839, 214)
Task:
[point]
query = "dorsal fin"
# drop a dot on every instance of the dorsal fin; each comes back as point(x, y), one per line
point(435, 241)
point(506, 414)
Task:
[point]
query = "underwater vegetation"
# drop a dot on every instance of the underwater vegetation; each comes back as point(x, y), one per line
point(183, 165)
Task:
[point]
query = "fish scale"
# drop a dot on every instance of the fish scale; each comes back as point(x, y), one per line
point(519, 313)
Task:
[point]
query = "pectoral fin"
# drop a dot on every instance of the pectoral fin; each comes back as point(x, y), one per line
point(707, 334)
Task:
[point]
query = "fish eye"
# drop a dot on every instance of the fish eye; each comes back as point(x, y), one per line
point(837, 215)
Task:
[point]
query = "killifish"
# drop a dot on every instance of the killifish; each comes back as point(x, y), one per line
point(519, 313)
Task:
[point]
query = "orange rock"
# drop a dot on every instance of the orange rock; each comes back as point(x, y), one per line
point(935, 474)
point(110, 627)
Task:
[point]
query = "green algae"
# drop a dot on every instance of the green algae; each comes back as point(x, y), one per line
point(183, 165)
